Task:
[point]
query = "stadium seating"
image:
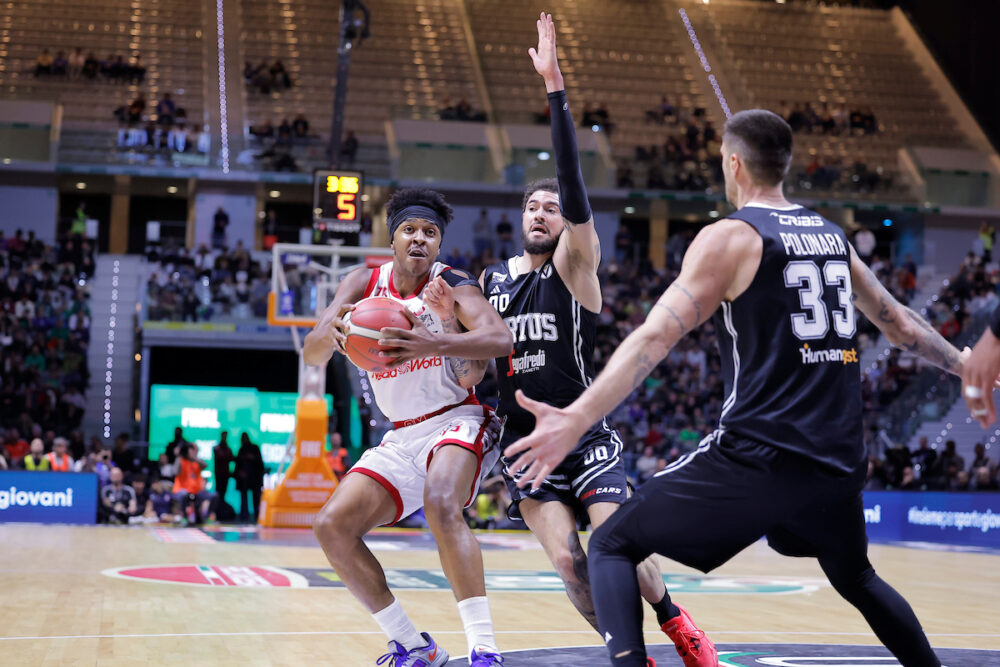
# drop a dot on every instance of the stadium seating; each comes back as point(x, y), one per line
point(844, 56)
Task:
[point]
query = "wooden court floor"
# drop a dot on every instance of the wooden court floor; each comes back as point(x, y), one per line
point(58, 607)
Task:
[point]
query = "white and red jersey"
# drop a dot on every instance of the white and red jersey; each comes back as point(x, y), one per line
point(419, 387)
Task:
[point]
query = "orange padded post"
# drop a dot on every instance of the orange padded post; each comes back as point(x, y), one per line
point(308, 481)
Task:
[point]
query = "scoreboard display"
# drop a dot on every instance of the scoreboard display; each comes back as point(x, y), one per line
point(337, 201)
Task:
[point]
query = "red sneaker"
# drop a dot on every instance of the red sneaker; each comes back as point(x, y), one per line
point(695, 649)
point(650, 662)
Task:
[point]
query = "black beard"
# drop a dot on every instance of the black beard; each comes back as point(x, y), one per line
point(538, 247)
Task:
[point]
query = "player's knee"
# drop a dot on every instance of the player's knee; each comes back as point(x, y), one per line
point(569, 567)
point(331, 525)
point(442, 505)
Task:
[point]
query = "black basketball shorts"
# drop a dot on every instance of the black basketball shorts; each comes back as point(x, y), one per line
point(592, 473)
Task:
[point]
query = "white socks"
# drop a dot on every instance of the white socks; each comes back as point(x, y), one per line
point(478, 623)
point(398, 626)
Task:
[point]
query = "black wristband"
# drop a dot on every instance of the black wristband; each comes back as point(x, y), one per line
point(572, 192)
point(995, 322)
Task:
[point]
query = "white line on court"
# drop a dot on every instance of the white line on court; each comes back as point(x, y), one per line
point(460, 632)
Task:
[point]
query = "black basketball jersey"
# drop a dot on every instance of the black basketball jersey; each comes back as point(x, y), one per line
point(787, 344)
point(553, 339)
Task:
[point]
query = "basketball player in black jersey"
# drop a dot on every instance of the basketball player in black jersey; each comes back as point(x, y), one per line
point(549, 296)
point(787, 461)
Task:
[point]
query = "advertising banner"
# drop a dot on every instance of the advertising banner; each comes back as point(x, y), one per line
point(963, 519)
point(48, 497)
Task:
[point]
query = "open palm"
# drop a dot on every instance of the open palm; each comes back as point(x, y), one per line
point(544, 56)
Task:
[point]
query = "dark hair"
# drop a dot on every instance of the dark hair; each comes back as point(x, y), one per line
point(764, 141)
point(544, 184)
point(432, 199)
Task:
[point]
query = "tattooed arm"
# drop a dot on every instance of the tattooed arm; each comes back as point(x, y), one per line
point(903, 327)
point(719, 265)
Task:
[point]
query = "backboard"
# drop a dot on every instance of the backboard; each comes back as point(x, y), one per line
point(305, 277)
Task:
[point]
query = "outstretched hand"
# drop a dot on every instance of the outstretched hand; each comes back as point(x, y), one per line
point(980, 369)
point(544, 55)
point(556, 433)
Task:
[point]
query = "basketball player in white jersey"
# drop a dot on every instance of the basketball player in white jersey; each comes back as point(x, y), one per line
point(442, 442)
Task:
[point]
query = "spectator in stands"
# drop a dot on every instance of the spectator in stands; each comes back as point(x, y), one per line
point(75, 63)
point(279, 76)
point(249, 474)
point(59, 458)
point(165, 109)
point(189, 487)
point(645, 465)
point(980, 460)
point(136, 108)
point(35, 460)
point(117, 69)
point(482, 233)
point(949, 464)
point(505, 237)
point(984, 479)
point(142, 493)
point(16, 447)
point(284, 133)
point(43, 65)
point(222, 459)
point(118, 500)
point(122, 456)
point(348, 149)
point(91, 66)
point(160, 505)
point(987, 234)
point(338, 457)
point(220, 221)
point(447, 110)
point(3, 463)
point(60, 64)
point(263, 131)
point(177, 446)
point(135, 72)
point(924, 459)
point(300, 126)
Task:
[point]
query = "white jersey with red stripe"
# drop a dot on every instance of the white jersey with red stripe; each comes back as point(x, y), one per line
point(421, 386)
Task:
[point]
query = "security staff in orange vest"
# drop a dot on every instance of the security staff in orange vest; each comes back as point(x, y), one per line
point(35, 460)
point(337, 457)
point(189, 482)
point(59, 460)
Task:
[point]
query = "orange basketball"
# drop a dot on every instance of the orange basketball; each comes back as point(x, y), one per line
point(365, 322)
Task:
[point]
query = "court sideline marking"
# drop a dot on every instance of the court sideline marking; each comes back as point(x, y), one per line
point(460, 632)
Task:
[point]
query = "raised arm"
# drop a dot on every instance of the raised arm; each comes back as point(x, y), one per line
point(719, 264)
point(901, 326)
point(578, 253)
point(328, 335)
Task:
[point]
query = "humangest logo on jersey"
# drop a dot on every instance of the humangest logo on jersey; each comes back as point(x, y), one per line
point(409, 367)
point(836, 355)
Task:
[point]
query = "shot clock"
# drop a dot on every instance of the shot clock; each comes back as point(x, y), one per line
point(337, 202)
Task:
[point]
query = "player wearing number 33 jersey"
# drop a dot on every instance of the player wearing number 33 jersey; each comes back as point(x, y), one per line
point(790, 337)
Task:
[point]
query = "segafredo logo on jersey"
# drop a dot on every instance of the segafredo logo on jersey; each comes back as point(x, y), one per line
point(533, 326)
point(527, 363)
point(411, 366)
point(836, 355)
point(13, 498)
